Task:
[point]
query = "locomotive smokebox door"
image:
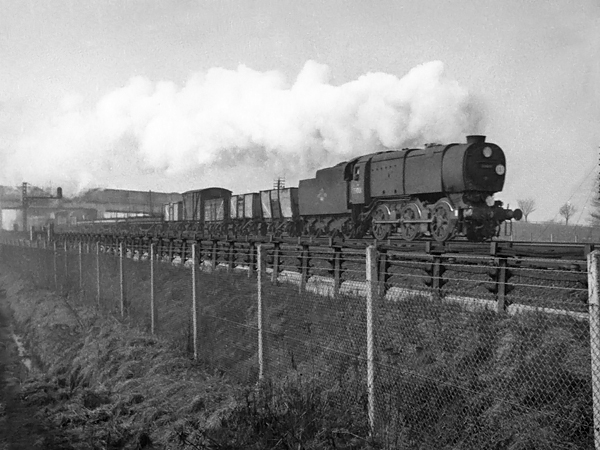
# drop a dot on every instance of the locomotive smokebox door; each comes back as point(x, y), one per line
point(359, 186)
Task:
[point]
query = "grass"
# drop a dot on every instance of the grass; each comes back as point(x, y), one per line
point(444, 377)
point(103, 384)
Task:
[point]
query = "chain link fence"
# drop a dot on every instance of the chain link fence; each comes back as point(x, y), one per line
point(493, 353)
point(316, 332)
point(420, 350)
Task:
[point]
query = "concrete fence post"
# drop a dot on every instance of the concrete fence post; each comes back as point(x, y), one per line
point(66, 277)
point(80, 271)
point(231, 257)
point(152, 309)
point(276, 263)
point(122, 279)
point(55, 269)
point(594, 315)
point(371, 275)
point(251, 259)
point(98, 274)
point(194, 304)
point(337, 270)
point(260, 311)
point(304, 256)
point(214, 254)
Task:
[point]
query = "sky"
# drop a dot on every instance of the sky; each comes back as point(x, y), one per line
point(174, 95)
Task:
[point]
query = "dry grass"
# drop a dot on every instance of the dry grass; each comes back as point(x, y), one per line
point(104, 385)
point(446, 377)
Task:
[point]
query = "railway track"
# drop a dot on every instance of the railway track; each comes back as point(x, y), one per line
point(459, 265)
point(569, 251)
point(532, 274)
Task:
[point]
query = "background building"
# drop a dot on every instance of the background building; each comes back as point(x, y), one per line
point(95, 203)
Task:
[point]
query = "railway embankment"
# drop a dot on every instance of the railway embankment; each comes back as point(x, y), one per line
point(97, 383)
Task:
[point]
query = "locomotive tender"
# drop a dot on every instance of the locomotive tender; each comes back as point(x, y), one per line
point(440, 191)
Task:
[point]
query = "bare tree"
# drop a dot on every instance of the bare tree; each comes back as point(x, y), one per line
point(527, 205)
point(567, 211)
point(595, 214)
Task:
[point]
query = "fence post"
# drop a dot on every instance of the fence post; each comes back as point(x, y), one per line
point(594, 316)
point(276, 269)
point(66, 278)
point(303, 268)
point(230, 256)
point(337, 270)
point(170, 251)
point(383, 275)
point(152, 311)
point(260, 309)
point(194, 303)
point(98, 273)
point(371, 269)
point(55, 268)
point(502, 288)
point(122, 279)
point(214, 255)
point(251, 261)
point(80, 271)
point(182, 252)
point(436, 275)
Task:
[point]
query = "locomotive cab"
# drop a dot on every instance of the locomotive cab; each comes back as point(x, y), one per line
point(359, 186)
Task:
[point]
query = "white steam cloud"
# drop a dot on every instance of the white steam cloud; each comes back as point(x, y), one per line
point(233, 128)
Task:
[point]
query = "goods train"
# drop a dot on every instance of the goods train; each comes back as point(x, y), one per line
point(437, 192)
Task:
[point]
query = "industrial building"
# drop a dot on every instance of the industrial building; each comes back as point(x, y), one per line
point(42, 208)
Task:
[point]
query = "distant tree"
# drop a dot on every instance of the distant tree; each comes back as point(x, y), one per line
point(567, 211)
point(527, 205)
point(595, 214)
point(594, 218)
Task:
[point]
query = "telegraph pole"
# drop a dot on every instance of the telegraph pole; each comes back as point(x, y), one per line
point(279, 183)
point(597, 196)
point(26, 199)
point(25, 202)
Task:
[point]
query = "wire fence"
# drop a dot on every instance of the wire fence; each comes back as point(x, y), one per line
point(427, 351)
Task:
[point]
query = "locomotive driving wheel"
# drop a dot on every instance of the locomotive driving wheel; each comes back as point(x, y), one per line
point(443, 224)
point(381, 230)
point(410, 231)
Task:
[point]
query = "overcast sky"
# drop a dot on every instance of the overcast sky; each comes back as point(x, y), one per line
point(175, 95)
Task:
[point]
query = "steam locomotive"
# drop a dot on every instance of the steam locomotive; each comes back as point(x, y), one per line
point(439, 191)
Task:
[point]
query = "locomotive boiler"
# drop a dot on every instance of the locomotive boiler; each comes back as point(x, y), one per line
point(440, 191)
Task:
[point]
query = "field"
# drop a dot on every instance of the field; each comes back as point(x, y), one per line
point(554, 231)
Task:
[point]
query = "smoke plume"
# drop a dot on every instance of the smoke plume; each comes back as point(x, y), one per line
point(240, 128)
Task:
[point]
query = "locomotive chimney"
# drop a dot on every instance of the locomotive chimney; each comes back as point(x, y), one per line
point(475, 139)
